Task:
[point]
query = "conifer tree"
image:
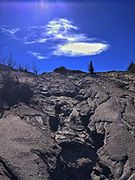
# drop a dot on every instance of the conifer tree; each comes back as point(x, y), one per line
point(91, 68)
point(130, 66)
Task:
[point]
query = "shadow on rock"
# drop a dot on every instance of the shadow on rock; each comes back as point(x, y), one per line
point(13, 92)
point(75, 161)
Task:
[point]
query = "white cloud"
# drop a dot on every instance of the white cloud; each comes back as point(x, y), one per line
point(65, 30)
point(37, 55)
point(80, 49)
point(73, 42)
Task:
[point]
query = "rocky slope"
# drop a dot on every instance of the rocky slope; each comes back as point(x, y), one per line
point(67, 126)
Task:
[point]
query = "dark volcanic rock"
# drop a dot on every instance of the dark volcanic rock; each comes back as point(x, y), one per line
point(68, 126)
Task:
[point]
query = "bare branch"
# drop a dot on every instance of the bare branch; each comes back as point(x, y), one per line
point(35, 67)
point(24, 68)
point(10, 61)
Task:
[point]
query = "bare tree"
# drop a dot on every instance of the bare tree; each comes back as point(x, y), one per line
point(10, 61)
point(2, 58)
point(7, 60)
point(35, 68)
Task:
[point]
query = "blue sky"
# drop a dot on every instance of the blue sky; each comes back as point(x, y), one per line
point(69, 33)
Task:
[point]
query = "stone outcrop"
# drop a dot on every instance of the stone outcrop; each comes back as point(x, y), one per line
point(72, 126)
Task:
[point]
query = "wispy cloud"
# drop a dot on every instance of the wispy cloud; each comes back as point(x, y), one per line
point(42, 40)
point(67, 37)
point(57, 28)
point(37, 55)
point(9, 31)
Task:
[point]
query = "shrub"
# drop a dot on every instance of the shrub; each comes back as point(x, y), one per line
point(23, 68)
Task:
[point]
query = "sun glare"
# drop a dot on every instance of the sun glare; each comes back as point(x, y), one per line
point(42, 4)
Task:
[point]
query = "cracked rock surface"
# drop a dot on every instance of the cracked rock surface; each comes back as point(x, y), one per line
point(71, 126)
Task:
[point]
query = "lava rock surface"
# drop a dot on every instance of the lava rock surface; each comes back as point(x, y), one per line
point(72, 126)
